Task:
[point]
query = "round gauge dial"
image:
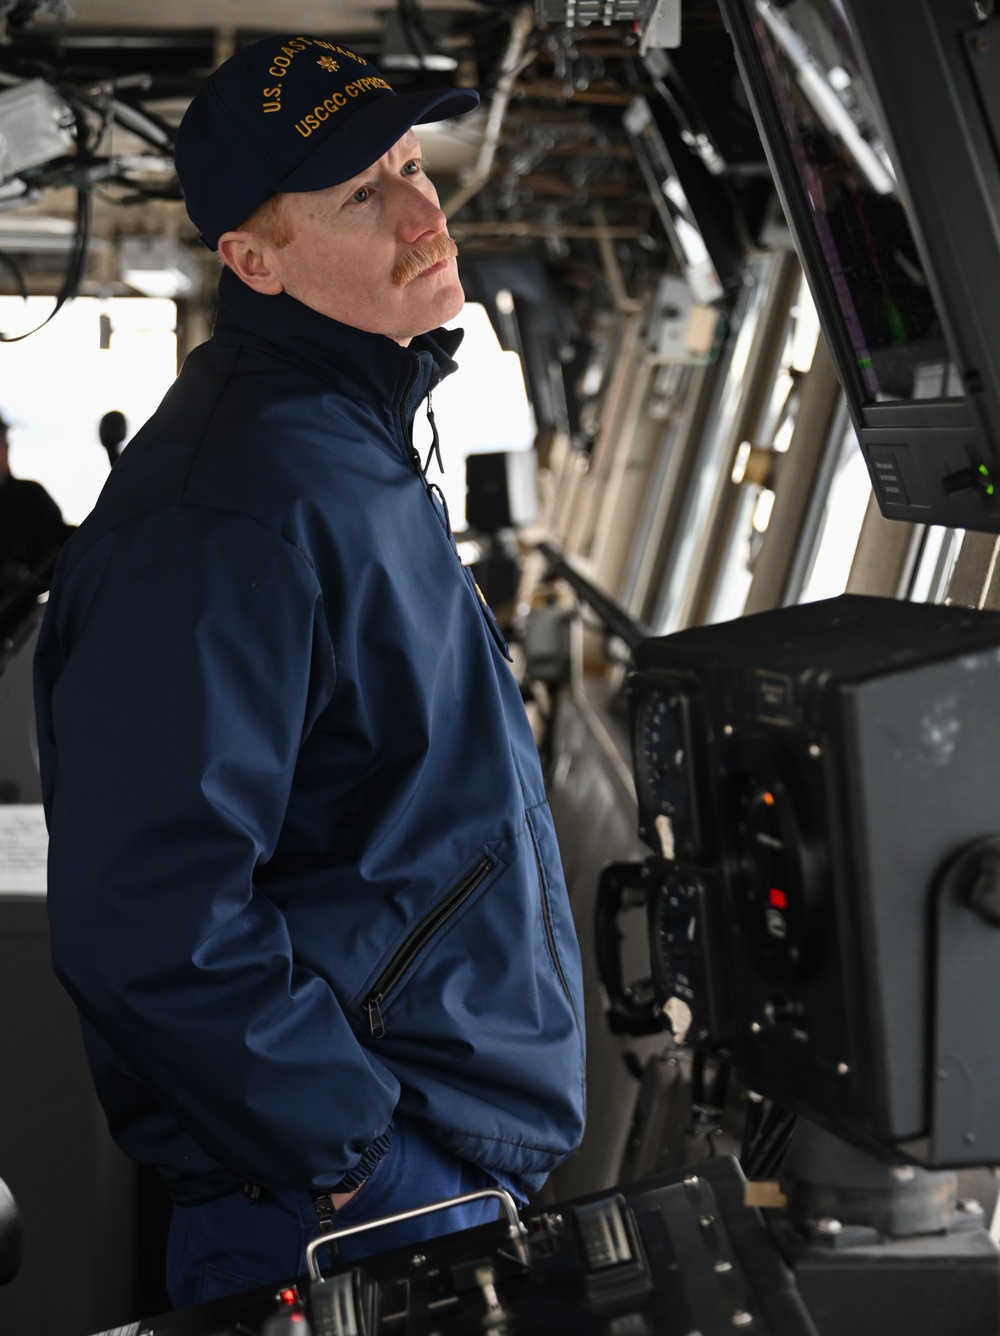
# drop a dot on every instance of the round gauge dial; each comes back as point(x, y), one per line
point(662, 766)
point(675, 950)
point(659, 753)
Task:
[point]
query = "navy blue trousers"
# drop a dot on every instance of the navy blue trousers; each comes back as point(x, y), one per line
point(232, 1244)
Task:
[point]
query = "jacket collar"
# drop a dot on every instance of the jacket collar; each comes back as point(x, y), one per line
point(359, 364)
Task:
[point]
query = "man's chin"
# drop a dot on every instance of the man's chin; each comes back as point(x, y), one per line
point(443, 305)
point(456, 299)
point(434, 309)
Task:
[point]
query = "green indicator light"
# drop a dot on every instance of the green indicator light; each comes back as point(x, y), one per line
point(984, 470)
point(865, 363)
point(896, 326)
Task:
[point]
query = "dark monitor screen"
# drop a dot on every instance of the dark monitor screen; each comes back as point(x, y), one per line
point(849, 184)
point(865, 189)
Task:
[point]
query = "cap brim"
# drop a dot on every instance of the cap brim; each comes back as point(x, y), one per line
point(373, 129)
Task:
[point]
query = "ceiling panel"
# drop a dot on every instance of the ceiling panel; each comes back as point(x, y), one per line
point(305, 16)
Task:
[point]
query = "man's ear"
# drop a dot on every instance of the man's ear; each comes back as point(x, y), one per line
point(250, 261)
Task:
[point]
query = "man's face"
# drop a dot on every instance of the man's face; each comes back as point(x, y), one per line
point(374, 252)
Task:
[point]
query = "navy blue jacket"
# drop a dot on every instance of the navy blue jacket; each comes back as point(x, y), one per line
point(302, 871)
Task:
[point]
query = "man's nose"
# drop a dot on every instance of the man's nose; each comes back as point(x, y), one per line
point(420, 215)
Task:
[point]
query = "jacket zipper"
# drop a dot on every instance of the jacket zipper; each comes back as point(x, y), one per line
point(417, 939)
point(434, 493)
point(407, 434)
point(547, 916)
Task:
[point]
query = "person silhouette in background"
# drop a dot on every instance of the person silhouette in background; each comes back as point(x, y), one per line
point(113, 429)
point(32, 528)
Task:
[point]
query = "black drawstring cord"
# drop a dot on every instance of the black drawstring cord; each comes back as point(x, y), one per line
point(435, 451)
point(436, 491)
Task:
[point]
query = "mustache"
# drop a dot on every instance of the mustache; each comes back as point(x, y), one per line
point(415, 261)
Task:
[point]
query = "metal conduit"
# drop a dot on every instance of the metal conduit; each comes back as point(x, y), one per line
point(513, 63)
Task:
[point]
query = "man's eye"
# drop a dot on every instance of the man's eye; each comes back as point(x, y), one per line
point(412, 167)
point(361, 195)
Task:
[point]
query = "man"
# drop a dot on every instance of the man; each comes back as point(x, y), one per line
point(112, 431)
point(31, 524)
point(303, 883)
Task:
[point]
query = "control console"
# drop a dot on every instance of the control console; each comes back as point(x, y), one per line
point(670, 1256)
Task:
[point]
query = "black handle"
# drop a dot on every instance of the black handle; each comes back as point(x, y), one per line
point(632, 1009)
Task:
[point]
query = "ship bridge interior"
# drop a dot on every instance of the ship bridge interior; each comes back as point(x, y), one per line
point(727, 485)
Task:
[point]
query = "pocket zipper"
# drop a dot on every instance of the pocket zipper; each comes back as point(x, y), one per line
point(417, 939)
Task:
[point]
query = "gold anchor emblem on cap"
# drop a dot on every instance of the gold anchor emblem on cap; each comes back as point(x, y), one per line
point(328, 63)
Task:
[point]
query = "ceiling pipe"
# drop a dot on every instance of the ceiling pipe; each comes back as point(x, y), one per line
point(612, 269)
point(513, 63)
point(568, 231)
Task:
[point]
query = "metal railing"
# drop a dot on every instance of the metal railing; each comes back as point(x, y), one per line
point(612, 615)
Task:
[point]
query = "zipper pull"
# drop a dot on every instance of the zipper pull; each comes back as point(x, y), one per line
point(375, 1017)
point(324, 1212)
point(435, 451)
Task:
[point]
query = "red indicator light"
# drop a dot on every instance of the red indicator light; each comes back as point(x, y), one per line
point(768, 798)
point(288, 1297)
point(777, 899)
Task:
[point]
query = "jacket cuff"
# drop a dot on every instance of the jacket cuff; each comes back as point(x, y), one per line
point(364, 1167)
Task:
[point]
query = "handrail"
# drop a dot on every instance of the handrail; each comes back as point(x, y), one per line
point(613, 616)
point(515, 1229)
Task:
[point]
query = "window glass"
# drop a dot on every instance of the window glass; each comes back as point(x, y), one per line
point(938, 553)
point(698, 503)
point(94, 356)
point(840, 527)
point(774, 430)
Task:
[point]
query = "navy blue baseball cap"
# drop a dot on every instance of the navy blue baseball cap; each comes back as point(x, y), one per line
point(291, 113)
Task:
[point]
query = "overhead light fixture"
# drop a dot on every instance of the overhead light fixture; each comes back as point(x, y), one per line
point(158, 267)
